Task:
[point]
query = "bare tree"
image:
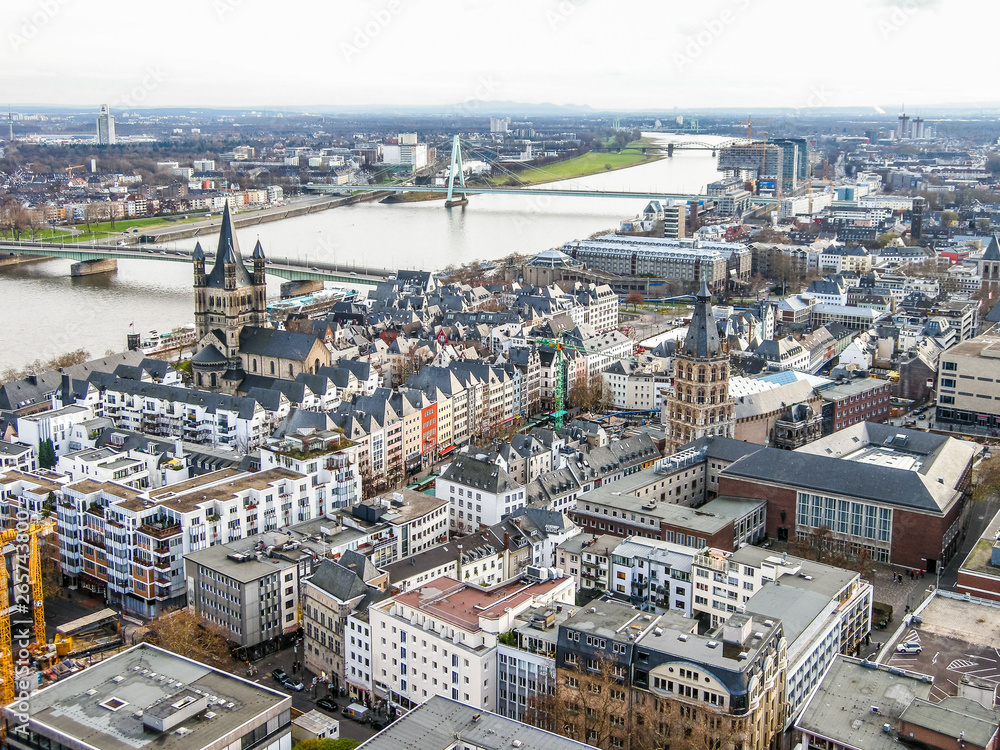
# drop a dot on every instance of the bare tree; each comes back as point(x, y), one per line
point(185, 633)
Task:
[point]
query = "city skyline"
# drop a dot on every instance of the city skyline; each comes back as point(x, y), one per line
point(626, 56)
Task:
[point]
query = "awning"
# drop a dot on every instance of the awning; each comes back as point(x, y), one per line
point(443, 451)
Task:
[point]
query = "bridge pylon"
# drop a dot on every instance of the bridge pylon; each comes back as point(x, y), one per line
point(456, 165)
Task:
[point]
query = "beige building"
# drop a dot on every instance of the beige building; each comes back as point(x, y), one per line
point(969, 383)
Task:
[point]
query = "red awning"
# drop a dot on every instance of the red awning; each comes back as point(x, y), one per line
point(449, 449)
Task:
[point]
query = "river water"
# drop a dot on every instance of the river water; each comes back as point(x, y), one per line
point(47, 313)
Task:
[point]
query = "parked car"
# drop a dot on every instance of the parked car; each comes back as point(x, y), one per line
point(327, 704)
point(293, 683)
point(279, 675)
point(908, 648)
point(379, 723)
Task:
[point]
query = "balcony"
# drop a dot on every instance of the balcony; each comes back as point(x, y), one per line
point(158, 531)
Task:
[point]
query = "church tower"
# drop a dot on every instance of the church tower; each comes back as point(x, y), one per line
point(700, 404)
point(229, 297)
point(989, 270)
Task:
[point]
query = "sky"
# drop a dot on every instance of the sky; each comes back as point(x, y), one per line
point(608, 54)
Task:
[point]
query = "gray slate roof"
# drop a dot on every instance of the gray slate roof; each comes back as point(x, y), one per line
point(702, 340)
point(228, 252)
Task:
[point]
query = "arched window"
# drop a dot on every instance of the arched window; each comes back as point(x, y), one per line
point(272, 368)
point(199, 379)
point(214, 381)
point(255, 365)
point(316, 367)
point(291, 372)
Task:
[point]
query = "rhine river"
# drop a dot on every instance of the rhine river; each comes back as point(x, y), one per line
point(48, 313)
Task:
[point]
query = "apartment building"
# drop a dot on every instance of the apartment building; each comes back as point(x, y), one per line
point(479, 493)
point(441, 639)
point(192, 415)
point(129, 545)
point(587, 557)
point(17, 456)
point(968, 384)
point(653, 575)
point(252, 596)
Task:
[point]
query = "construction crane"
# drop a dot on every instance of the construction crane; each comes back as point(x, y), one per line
point(562, 374)
point(749, 122)
point(7, 671)
point(71, 167)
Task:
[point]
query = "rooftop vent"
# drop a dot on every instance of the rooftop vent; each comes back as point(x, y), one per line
point(713, 644)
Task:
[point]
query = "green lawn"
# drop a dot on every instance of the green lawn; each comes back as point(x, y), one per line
point(103, 230)
point(579, 166)
point(40, 234)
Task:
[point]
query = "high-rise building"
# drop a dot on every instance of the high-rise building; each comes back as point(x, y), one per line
point(700, 404)
point(903, 127)
point(106, 127)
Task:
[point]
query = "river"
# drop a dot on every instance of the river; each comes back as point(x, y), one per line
point(48, 313)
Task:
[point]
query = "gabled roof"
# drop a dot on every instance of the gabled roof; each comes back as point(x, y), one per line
point(993, 250)
point(482, 475)
point(271, 342)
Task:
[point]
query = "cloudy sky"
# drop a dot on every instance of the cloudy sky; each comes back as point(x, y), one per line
point(609, 54)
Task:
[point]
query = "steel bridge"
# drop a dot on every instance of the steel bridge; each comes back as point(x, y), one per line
point(286, 268)
point(456, 172)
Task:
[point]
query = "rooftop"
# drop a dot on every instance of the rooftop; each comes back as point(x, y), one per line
point(441, 723)
point(465, 604)
point(238, 560)
point(98, 707)
point(843, 707)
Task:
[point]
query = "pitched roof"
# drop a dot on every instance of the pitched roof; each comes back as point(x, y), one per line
point(271, 342)
point(993, 250)
point(702, 340)
point(228, 252)
point(482, 475)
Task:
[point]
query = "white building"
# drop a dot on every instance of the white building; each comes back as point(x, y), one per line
point(441, 639)
point(479, 493)
point(653, 574)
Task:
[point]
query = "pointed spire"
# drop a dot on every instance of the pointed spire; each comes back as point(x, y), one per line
point(198, 253)
point(258, 250)
point(702, 340)
point(229, 246)
point(993, 251)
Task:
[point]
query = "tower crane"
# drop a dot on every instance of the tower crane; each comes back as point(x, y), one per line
point(562, 374)
point(8, 536)
point(71, 167)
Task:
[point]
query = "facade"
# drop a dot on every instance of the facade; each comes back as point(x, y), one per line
point(892, 494)
point(157, 699)
point(700, 404)
point(855, 402)
point(237, 587)
point(968, 386)
point(129, 546)
point(479, 493)
point(653, 574)
point(665, 679)
point(441, 639)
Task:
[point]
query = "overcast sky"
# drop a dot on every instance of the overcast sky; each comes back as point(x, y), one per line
point(609, 54)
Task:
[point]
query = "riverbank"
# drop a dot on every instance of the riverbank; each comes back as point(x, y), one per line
point(260, 217)
point(585, 165)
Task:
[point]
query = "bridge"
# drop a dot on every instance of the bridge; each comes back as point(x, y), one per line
point(463, 190)
point(286, 268)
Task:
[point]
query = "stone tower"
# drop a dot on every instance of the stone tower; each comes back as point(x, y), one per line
point(989, 269)
point(700, 404)
point(229, 297)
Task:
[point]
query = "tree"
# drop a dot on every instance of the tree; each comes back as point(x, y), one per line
point(327, 744)
point(635, 299)
point(49, 555)
point(46, 454)
point(187, 634)
point(949, 219)
point(590, 394)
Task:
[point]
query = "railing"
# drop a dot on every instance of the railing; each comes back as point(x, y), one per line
point(159, 532)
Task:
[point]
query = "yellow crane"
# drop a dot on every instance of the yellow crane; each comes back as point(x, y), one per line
point(71, 167)
point(34, 582)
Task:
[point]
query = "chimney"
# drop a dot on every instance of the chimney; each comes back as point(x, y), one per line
point(66, 390)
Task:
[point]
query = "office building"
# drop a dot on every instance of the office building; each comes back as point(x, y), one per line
point(106, 127)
